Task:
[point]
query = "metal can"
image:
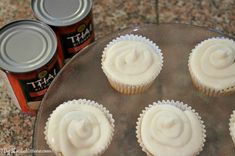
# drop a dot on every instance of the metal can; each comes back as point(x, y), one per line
point(28, 61)
point(70, 19)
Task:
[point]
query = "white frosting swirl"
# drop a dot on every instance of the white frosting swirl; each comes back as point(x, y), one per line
point(167, 130)
point(232, 126)
point(79, 129)
point(132, 62)
point(212, 63)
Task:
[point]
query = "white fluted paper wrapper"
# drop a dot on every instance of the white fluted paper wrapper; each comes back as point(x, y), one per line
point(84, 102)
point(130, 88)
point(232, 126)
point(177, 104)
point(202, 86)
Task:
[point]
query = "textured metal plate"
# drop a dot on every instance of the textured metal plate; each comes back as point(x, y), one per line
point(82, 77)
point(26, 45)
point(60, 12)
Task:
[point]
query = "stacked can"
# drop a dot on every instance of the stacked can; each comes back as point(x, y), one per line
point(70, 19)
point(28, 61)
point(31, 53)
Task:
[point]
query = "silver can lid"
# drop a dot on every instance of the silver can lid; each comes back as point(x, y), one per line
point(61, 12)
point(26, 45)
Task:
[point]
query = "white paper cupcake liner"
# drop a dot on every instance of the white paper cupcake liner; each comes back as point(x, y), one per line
point(84, 102)
point(232, 126)
point(127, 88)
point(209, 91)
point(177, 104)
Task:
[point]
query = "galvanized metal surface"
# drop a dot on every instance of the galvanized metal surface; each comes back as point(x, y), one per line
point(26, 45)
point(60, 12)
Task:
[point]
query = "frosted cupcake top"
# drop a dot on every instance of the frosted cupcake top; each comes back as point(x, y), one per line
point(212, 63)
point(169, 130)
point(132, 59)
point(79, 128)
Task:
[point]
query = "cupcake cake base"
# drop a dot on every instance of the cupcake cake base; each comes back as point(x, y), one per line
point(131, 63)
point(170, 128)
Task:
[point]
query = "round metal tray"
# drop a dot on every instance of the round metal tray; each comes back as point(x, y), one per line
point(82, 77)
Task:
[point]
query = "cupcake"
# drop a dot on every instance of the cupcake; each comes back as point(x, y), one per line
point(232, 126)
point(79, 128)
point(131, 63)
point(169, 128)
point(212, 68)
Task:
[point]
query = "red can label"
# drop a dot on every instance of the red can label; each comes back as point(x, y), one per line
point(28, 89)
point(75, 37)
point(36, 87)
